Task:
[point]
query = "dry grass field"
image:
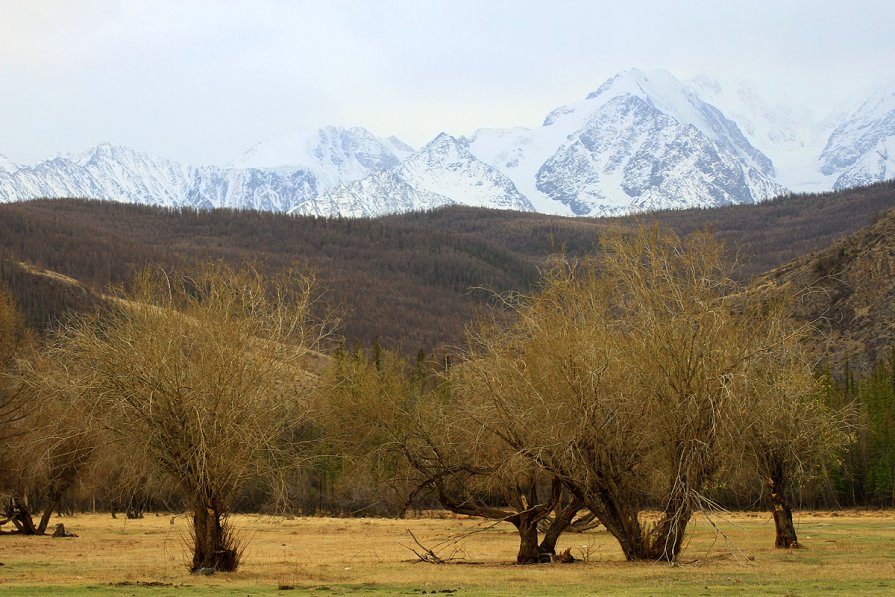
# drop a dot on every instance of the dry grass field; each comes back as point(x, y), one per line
point(847, 553)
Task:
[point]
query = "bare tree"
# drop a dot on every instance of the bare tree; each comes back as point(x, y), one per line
point(63, 451)
point(200, 374)
point(15, 344)
point(627, 376)
point(549, 386)
point(789, 434)
point(15, 341)
point(54, 445)
point(401, 433)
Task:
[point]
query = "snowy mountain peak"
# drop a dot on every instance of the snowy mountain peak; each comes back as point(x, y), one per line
point(443, 172)
point(652, 84)
point(107, 153)
point(662, 91)
point(334, 154)
point(443, 144)
point(657, 87)
point(631, 156)
point(642, 140)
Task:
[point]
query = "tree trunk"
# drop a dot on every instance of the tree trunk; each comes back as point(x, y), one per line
point(529, 552)
point(526, 522)
point(560, 523)
point(525, 518)
point(786, 533)
point(16, 510)
point(622, 519)
point(664, 542)
point(55, 493)
point(55, 498)
point(212, 543)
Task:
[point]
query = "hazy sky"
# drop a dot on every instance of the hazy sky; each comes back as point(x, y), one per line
point(202, 80)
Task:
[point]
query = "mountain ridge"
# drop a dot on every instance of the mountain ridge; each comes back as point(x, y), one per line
point(641, 141)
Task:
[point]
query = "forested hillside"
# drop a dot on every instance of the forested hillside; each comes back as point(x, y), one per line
point(411, 280)
point(847, 293)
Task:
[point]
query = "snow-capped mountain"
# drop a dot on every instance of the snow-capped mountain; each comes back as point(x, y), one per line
point(334, 154)
point(442, 172)
point(633, 157)
point(122, 174)
point(641, 141)
point(861, 149)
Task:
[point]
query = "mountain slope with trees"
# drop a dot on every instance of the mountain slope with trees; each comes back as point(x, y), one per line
point(409, 280)
point(846, 291)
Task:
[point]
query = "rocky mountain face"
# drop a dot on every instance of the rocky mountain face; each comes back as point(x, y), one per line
point(632, 157)
point(861, 149)
point(639, 142)
point(642, 141)
point(444, 172)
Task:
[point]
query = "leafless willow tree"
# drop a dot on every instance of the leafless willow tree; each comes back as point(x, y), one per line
point(15, 344)
point(398, 432)
point(629, 377)
point(15, 341)
point(57, 441)
point(789, 434)
point(51, 445)
point(41, 455)
point(201, 374)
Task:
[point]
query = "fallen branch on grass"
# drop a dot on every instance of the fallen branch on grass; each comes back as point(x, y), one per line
point(429, 556)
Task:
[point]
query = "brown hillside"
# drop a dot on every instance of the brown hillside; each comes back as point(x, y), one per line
point(407, 279)
point(43, 296)
point(848, 292)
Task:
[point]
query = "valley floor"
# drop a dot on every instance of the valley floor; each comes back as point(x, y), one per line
point(846, 553)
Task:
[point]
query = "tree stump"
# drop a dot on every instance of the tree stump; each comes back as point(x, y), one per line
point(16, 511)
point(61, 532)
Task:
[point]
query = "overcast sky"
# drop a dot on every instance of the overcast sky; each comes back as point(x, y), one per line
point(202, 80)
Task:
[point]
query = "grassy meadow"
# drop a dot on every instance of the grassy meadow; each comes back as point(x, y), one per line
point(849, 553)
